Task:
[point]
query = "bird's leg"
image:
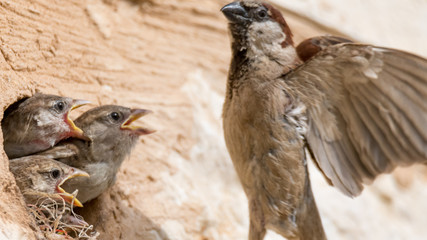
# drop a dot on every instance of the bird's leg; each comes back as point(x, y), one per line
point(256, 232)
point(257, 223)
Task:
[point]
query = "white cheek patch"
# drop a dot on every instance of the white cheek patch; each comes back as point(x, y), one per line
point(265, 37)
point(265, 48)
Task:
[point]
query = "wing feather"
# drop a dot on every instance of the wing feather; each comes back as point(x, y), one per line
point(367, 111)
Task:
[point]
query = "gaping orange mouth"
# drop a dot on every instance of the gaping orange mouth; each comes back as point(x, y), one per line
point(75, 131)
point(68, 197)
point(136, 114)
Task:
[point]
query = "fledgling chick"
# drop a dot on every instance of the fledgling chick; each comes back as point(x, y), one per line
point(358, 109)
point(38, 123)
point(39, 176)
point(112, 138)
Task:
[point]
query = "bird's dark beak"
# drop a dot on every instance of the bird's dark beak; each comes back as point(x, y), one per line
point(136, 114)
point(76, 131)
point(235, 12)
point(68, 197)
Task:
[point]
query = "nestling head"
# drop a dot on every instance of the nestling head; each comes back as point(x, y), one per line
point(110, 125)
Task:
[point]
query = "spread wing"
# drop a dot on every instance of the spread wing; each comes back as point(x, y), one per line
point(367, 111)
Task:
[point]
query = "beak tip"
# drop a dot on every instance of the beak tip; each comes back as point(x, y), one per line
point(77, 173)
point(81, 102)
point(146, 132)
point(235, 12)
point(71, 198)
point(140, 112)
point(151, 131)
point(229, 6)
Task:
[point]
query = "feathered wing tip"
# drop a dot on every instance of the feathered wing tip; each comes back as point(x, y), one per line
point(379, 120)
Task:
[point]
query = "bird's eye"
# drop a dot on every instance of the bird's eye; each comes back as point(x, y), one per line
point(262, 14)
point(59, 106)
point(55, 173)
point(115, 116)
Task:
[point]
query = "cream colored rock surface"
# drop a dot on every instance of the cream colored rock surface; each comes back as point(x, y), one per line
point(172, 57)
point(390, 23)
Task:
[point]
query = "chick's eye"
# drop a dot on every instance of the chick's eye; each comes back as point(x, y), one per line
point(55, 173)
point(59, 106)
point(115, 116)
point(262, 14)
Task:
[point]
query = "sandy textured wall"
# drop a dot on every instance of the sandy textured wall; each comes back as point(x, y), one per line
point(171, 57)
point(168, 56)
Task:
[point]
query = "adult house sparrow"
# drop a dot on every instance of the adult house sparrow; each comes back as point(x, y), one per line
point(39, 176)
point(37, 123)
point(111, 140)
point(358, 109)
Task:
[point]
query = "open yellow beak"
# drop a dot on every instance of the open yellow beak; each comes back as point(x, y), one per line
point(68, 197)
point(135, 115)
point(76, 131)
